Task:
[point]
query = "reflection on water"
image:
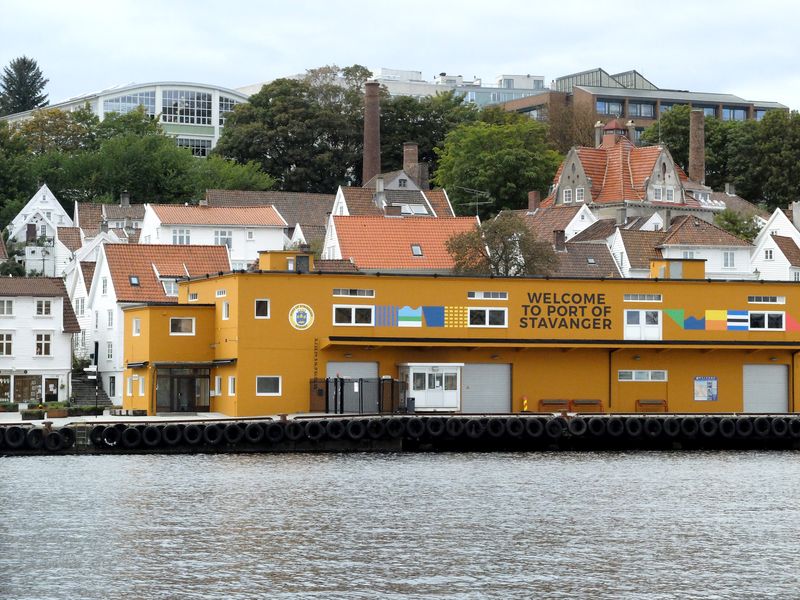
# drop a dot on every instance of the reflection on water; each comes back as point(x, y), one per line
point(655, 525)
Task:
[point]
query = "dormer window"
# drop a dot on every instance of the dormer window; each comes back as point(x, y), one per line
point(170, 287)
point(670, 195)
point(402, 182)
point(579, 194)
point(416, 250)
point(566, 196)
point(657, 193)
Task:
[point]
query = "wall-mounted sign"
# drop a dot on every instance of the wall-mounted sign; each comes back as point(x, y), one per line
point(705, 389)
point(301, 316)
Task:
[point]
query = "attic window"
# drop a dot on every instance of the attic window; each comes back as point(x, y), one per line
point(402, 182)
point(590, 261)
point(134, 279)
point(416, 250)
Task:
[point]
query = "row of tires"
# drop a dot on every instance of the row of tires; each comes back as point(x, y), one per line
point(15, 437)
point(449, 428)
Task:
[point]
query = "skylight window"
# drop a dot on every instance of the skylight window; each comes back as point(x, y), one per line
point(416, 250)
point(134, 279)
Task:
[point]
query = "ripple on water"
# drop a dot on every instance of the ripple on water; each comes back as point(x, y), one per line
point(546, 525)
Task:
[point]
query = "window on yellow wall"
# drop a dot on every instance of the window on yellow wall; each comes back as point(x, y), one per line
point(130, 386)
point(231, 385)
point(141, 385)
point(218, 385)
point(226, 311)
point(137, 327)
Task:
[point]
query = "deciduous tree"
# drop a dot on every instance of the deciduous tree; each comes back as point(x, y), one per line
point(502, 246)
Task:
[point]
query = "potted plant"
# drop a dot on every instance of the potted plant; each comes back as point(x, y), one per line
point(32, 414)
point(9, 407)
point(56, 410)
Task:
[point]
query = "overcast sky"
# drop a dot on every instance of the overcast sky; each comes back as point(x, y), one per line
point(742, 47)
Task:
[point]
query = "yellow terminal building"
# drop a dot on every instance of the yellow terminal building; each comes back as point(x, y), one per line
point(278, 341)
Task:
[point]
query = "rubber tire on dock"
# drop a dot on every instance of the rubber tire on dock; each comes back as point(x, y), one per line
point(779, 428)
point(315, 430)
point(96, 435)
point(615, 427)
point(253, 433)
point(555, 428)
point(744, 427)
point(709, 427)
point(151, 436)
point(534, 427)
point(496, 427)
point(234, 433)
point(213, 434)
point(761, 426)
point(295, 431)
point(652, 427)
point(395, 427)
point(435, 426)
point(335, 429)
point(474, 428)
point(672, 427)
point(53, 441)
point(273, 432)
point(415, 428)
point(67, 437)
point(794, 427)
point(690, 427)
point(634, 427)
point(376, 429)
point(596, 427)
point(192, 434)
point(172, 434)
point(131, 438)
point(15, 437)
point(727, 427)
point(111, 436)
point(454, 427)
point(578, 426)
point(515, 427)
point(356, 429)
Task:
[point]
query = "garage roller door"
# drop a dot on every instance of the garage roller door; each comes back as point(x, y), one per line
point(486, 388)
point(352, 370)
point(359, 390)
point(766, 388)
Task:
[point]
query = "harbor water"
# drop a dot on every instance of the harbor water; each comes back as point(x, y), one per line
point(522, 525)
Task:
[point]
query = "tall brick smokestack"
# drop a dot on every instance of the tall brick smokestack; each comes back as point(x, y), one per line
point(697, 146)
point(372, 131)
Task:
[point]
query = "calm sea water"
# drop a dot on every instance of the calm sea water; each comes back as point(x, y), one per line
point(578, 525)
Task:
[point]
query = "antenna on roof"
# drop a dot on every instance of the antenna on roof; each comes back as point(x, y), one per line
point(477, 194)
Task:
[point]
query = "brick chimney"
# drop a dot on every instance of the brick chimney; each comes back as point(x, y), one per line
point(559, 240)
point(697, 146)
point(533, 200)
point(411, 161)
point(372, 131)
point(631, 127)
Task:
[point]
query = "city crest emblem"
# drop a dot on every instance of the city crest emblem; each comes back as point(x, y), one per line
point(301, 316)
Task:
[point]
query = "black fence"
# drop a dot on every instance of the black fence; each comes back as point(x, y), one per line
point(363, 396)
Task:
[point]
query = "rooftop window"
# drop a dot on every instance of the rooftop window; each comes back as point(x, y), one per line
point(416, 250)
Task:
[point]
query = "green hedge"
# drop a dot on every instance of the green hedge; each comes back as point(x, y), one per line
point(32, 415)
point(82, 411)
point(9, 407)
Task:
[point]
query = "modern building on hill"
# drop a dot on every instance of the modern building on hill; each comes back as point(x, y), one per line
point(630, 95)
point(193, 113)
point(673, 342)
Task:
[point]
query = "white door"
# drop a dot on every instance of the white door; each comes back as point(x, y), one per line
point(766, 388)
point(435, 387)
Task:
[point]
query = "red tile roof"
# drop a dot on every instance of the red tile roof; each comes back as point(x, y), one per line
point(360, 201)
point(789, 249)
point(88, 272)
point(586, 260)
point(251, 216)
point(70, 237)
point(545, 220)
point(143, 260)
point(641, 246)
point(334, 265)
point(384, 243)
point(440, 203)
point(47, 287)
point(687, 230)
point(618, 171)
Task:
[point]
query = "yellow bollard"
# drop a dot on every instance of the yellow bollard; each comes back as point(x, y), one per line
point(524, 404)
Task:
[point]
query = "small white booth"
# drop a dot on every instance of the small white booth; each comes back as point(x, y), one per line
point(434, 386)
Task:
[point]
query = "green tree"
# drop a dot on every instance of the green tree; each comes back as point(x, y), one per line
point(737, 224)
point(507, 161)
point(216, 172)
point(777, 153)
point(502, 246)
point(21, 86)
point(137, 122)
point(54, 130)
point(672, 131)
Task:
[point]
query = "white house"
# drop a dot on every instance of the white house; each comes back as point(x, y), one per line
point(773, 252)
point(78, 280)
point(128, 274)
point(243, 230)
point(36, 328)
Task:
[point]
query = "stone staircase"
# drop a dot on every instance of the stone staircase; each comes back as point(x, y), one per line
point(83, 390)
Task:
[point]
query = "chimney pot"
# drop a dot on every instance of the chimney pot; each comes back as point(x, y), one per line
point(622, 216)
point(598, 134)
point(534, 199)
point(124, 198)
point(730, 189)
